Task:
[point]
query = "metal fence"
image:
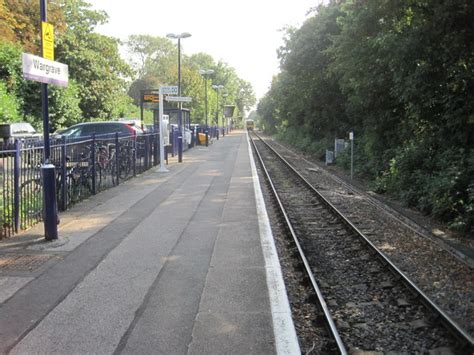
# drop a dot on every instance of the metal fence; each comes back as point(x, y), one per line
point(83, 168)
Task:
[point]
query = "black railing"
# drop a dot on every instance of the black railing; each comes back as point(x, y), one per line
point(83, 168)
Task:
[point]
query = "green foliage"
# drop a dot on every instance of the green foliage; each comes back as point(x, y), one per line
point(94, 61)
point(400, 74)
point(9, 108)
point(64, 106)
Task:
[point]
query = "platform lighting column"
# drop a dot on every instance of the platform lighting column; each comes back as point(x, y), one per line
point(205, 73)
point(178, 36)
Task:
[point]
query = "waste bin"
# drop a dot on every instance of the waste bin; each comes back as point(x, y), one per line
point(202, 138)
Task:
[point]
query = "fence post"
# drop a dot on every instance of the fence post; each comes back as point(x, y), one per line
point(93, 170)
point(63, 188)
point(146, 153)
point(155, 149)
point(134, 155)
point(172, 141)
point(117, 157)
point(16, 186)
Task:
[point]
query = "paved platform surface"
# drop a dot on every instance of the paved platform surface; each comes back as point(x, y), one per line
point(166, 263)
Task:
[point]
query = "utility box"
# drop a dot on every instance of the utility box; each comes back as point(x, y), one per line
point(339, 146)
point(329, 157)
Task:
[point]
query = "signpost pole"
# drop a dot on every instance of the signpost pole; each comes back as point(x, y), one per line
point(180, 134)
point(48, 170)
point(162, 138)
point(351, 138)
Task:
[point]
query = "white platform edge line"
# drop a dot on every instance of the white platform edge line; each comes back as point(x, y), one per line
point(286, 341)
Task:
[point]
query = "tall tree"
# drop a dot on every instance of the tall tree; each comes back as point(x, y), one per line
point(94, 60)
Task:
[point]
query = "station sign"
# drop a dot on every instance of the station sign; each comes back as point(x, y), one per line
point(47, 35)
point(44, 70)
point(178, 99)
point(169, 90)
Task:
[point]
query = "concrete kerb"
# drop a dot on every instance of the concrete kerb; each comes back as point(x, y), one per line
point(286, 340)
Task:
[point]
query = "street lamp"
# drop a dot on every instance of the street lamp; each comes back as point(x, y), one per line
point(205, 73)
point(217, 88)
point(178, 36)
point(180, 113)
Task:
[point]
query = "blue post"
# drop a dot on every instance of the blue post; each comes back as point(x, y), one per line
point(50, 204)
point(63, 186)
point(134, 164)
point(117, 158)
point(93, 169)
point(146, 153)
point(16, 186)
point(173, 145)
point(180, 136)
point(49, 189)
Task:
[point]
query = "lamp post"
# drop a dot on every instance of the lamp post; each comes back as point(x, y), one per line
point(205, 73)
point(224, 119)
point(178, 36)
point(217, 88)
point(180, 114)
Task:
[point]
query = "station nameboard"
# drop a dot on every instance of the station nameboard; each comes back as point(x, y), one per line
point(45, 71)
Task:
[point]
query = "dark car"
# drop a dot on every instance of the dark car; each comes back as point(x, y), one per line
point(78, 137)
point(102, 129)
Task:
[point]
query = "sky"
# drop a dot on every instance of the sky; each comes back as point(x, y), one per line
point(245, 34)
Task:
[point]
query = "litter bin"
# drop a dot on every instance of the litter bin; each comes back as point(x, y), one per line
point(202, 138)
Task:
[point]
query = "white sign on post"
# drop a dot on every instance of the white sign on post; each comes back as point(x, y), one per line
point(169, 90)
point(178, 99)
point(44, 70)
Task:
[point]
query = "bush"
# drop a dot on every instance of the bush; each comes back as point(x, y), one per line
point(436, 183)
point(9, 109)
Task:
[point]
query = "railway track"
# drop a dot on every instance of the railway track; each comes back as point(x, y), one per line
point(368, 304)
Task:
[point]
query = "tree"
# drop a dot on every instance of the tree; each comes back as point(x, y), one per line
point(398, 73)
point(94, 60)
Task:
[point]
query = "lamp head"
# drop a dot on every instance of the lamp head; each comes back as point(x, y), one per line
point(178, 35)
point(206, 71)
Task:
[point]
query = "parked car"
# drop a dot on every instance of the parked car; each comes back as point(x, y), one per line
point(134, 122)
point(78, 136)
point(18, 130)
point(101, 129)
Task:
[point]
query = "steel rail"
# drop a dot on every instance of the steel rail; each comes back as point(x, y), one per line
point(455, 329)
point(330, 322)
point(399, 217)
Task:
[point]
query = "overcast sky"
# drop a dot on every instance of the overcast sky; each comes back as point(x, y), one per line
point(243, 33)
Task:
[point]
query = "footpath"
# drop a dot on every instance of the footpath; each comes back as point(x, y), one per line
point(166, 263)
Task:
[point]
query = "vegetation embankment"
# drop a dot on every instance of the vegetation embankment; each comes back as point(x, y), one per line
point(399, 74)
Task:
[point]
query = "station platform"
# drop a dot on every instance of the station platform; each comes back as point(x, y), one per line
point(181, 262)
